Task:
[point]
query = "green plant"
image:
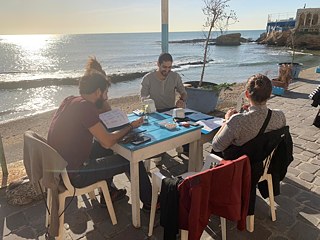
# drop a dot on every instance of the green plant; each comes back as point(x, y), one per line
point(217, 17)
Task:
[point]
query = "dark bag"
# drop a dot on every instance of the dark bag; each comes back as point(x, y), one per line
point(316, 121)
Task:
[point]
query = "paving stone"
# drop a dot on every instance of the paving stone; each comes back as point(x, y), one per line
point(309, 199)
point(295, 162)
point(285, 220)
point(309, 136)
point(23, 233)
point(260, 232)
point(309, 168)
point(79, 230)
point(317, 190)
point(312, 146)
point(95, 235)
point(287, 204)
point(317, 181)
point(300, 183)
point(277, 238)
point(289, 190)
point(315, 161)
point(309, 154)
point(298, 149)
point(307, 176)
point(293, 171)
point(309, 216)
point(16, 221)
point(303, 231)
point(299, 141)
point(130, 233)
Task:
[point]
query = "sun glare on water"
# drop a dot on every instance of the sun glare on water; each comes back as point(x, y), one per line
point(33, 53)
point(32, 43)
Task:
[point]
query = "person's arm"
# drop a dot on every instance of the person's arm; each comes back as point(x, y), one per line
point(225, 135)
point(181, 102)
point(107, 139)
point(145, 88)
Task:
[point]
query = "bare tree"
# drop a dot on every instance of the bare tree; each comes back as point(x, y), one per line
point(217, 17)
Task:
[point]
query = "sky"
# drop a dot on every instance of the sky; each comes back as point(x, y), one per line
point(113, 16)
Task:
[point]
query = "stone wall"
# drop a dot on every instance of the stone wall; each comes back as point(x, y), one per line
point(308, 20)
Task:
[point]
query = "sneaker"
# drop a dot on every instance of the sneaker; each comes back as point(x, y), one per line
point(116, 195)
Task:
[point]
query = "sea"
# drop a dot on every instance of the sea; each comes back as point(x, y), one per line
point(38, 71)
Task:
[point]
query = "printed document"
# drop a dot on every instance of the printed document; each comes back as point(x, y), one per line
point(114, 118)
point(210, 124)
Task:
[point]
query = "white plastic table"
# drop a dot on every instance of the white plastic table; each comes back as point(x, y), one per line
point(162, 140)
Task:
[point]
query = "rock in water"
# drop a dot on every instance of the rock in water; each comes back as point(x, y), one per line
point(232, 39)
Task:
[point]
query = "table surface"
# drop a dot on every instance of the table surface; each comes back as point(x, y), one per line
point(156, 132)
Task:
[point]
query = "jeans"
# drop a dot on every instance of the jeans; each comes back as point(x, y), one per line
point(104, 168)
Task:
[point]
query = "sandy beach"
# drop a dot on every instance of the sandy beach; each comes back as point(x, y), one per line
point(12, 132)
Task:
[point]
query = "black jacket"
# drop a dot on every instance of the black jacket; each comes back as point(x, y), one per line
point(257, 150)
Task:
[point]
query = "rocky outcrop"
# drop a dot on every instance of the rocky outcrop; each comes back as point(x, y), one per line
point(276, 38)
point(301, 40)
point(232, 39)
point(307, 41)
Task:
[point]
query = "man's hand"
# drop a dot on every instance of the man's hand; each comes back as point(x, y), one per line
point(180, 104)
point(229, 113)
point(245, 108)
point(137, 123)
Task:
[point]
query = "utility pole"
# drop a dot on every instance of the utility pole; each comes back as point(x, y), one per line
point(164, 26)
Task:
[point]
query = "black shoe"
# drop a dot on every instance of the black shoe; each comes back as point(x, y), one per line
point(116, 195)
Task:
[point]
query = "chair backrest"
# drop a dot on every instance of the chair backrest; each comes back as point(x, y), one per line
point(222, 188)
point(43, 161)
point(211, 161)
point(267, 161)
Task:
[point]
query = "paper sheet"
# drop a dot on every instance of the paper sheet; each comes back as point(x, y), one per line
point(210, 124)
point(114, 118)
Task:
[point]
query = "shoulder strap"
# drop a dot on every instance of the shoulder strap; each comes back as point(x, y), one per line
point(264, 126)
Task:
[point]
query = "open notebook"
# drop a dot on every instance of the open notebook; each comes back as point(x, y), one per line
point(114, 119)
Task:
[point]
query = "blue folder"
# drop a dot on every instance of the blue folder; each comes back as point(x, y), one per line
point(196, 116)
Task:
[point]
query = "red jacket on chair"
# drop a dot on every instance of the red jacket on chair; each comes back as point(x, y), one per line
point(223, 191)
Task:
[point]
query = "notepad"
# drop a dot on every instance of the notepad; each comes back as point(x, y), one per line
point(114, 118)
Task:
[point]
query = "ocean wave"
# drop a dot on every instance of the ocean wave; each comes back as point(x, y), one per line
point(254, 64)
point(114, 78)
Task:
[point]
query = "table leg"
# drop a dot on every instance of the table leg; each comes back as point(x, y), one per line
point(135, 196)
point(195, 156)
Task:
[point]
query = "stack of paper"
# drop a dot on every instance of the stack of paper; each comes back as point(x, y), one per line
point(210, 124)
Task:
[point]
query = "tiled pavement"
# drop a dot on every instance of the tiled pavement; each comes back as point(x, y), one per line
point(298, 206)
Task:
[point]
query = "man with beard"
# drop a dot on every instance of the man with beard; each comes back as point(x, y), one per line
point(162, 84)
point(74, 126)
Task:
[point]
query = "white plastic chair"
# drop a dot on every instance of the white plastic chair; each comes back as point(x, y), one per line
point(268, 177)
point(211, 160)
point(72, 191)
point(40, 146)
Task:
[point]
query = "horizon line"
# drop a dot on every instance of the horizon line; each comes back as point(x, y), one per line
point(84, 33)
